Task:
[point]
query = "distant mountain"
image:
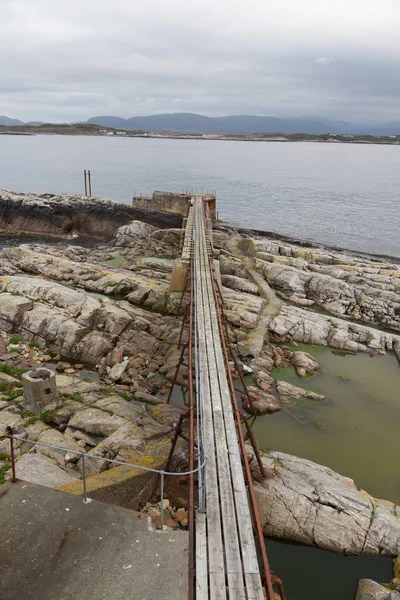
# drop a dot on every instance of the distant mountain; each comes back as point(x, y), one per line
point(234, 124)
point(8, 121)
point(241, 124)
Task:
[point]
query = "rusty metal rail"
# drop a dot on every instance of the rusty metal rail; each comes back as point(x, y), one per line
point(85, 456)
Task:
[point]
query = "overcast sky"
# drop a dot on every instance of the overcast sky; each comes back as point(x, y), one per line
point(70, 60)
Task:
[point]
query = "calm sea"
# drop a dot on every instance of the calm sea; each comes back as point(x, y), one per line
point(341, 194)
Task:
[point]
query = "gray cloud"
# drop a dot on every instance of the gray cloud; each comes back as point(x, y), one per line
point(69, 60)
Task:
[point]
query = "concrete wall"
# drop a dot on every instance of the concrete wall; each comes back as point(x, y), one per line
point(171, 203)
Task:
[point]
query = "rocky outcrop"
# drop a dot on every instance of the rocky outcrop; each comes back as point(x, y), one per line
point(260, 403)
point(289, 393)
point(78, 326)
point(370, 590)
point(127, 234)
point(308, 503)
point(299, 325)
point(142, 285)
point(40, 469)
point(63, 215)
point(345, 285)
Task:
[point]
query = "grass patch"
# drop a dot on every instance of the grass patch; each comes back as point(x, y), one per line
point(47, 416)
point(76, 396)
point(14, 339)
point(15, 394)
point(5, 456)
point(3, 471)
point(34, 345)
point(30, 421)
point(5, 386)
point(5, 368)
point(124, 395)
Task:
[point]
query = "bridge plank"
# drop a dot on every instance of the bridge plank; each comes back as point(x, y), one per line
point(231, 542)
point(216, 568)
point(201, 557)
point(246, 536)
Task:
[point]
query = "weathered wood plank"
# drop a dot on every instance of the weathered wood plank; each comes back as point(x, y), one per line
point(231, 543)
point(217, 588)
point(246, 536)
point(201, 557)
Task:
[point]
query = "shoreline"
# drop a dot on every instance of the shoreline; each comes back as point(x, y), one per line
point(270, 137)
point(88, 241)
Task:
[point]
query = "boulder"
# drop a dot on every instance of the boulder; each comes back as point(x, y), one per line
point(12, 308)
point(96, 422)
point(304, 363)
point(10, 421)
point(52, 437)
point(311, 504)
point(289, 393)
point(37, 468)
point(127, 234)
point(240, 284)
point(143, 396)
point(261, 403)
point(117, 371)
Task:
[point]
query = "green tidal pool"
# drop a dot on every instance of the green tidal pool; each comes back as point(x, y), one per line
point(356, 431)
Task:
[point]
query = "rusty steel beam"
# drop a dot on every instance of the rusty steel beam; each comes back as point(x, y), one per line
point(176, 373)
point(178, 429)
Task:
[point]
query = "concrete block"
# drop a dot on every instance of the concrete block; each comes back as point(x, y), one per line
point(178, 276)
point(40, 389)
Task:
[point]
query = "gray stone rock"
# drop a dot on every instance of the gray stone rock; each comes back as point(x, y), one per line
point(127, 234)
point(52, 437)
point(304, 363)
point(261, 403)
point(299, 325)
point(240, 284)
point(142, 396)
point(96, 422)
point(10, 420)
point(12, 308)
point(42, 470)
point(289, 393)
point(311, 504)
point(370, 590)
point(117, 446)
point(117, 371)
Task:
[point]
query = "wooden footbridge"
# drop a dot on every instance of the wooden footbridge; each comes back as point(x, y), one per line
point(228, 558)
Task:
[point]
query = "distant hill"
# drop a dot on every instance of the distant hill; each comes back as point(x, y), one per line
point(241, 124)
point(234, 124)
point(8, 121)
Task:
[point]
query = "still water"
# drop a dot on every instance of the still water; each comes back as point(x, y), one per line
point(341, 194)
point(355, 432)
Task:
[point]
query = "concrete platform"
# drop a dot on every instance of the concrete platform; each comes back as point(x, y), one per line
point(55, 547)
